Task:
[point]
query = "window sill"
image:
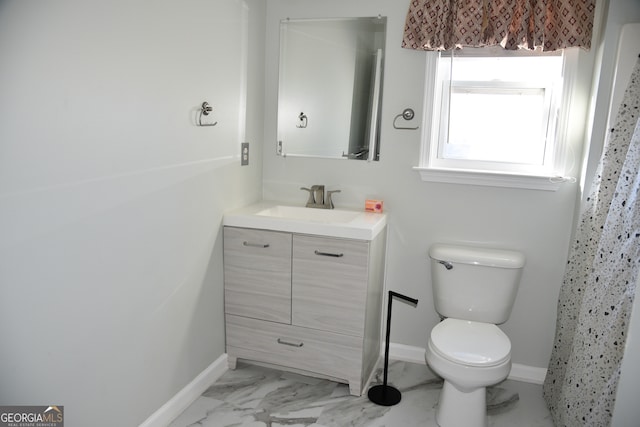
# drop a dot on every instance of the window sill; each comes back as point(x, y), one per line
point(491, 179)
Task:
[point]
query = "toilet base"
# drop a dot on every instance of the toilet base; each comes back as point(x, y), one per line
point(457, 408)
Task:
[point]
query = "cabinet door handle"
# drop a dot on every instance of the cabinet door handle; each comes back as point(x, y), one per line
point(255, 245)
point(292, 344)
point(340, 255)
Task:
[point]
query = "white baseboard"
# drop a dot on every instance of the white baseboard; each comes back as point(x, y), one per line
point(185, 397)
point(406, 353)
point(524, 373)
point(527, 374)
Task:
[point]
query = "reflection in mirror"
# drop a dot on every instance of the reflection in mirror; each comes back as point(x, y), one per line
point(330, 88)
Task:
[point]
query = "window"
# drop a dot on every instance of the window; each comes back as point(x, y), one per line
point(494, 118)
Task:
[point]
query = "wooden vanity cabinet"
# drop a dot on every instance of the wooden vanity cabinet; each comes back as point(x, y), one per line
point(309, 304)
point(257, 274)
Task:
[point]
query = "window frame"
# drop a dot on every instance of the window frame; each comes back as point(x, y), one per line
point(550, 178)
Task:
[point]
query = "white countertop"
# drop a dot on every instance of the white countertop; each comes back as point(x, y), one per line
point(269, 215)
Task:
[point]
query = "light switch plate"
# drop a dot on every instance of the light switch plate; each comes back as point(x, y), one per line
point(244, 155)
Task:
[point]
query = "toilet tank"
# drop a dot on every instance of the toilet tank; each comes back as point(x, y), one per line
point(473, 283)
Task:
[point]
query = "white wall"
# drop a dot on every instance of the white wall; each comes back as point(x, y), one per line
point(111, 198)
point(539, 223)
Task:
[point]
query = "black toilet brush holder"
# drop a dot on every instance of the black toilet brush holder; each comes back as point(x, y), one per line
point(384, 394)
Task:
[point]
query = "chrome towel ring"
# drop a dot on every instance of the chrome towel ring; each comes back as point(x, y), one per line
point(407, 114)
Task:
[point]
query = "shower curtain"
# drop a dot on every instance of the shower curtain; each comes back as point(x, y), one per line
point(597, 293)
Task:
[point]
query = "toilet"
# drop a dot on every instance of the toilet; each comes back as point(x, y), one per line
point(473, 291)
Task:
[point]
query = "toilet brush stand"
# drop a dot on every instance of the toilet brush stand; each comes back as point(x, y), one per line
point(384, 394)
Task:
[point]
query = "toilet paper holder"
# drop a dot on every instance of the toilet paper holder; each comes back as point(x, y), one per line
point(383, 394)
point(205, 110)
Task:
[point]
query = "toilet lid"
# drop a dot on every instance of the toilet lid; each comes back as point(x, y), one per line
point(471, 343)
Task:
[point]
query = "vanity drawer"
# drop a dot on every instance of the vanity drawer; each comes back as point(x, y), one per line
point(330, 279)
point(333, 355)
point(257, 274)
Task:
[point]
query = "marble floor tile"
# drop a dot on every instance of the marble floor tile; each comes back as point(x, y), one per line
point(255, 396)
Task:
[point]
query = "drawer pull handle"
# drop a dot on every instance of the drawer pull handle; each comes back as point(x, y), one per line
point(329, 254)
point(292, 344)
point(256, 245)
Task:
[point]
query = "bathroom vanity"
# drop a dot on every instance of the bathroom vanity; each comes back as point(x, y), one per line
point(303, 290)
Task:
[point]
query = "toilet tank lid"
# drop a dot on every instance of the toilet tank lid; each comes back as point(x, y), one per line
point(477, 255)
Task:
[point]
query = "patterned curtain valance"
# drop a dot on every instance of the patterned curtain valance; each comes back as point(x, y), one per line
point(513, 24)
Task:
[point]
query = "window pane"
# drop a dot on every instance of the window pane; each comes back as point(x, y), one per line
point(534, 68)
point(497, 113)
point(500, 125)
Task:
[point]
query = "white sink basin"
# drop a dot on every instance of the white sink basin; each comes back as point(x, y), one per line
point(350, 224)
point(310, 214)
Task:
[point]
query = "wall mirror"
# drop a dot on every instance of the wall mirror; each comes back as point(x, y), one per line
point(330, 87)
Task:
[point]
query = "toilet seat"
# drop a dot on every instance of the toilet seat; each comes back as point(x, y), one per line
point(470, 343)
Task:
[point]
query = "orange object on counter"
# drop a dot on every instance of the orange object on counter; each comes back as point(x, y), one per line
point(373, 205)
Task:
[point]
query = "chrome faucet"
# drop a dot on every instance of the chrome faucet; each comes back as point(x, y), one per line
point(317, 197)
point(318, 194)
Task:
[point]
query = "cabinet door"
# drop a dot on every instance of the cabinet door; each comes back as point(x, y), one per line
point(257, 274)
point(329, 289)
